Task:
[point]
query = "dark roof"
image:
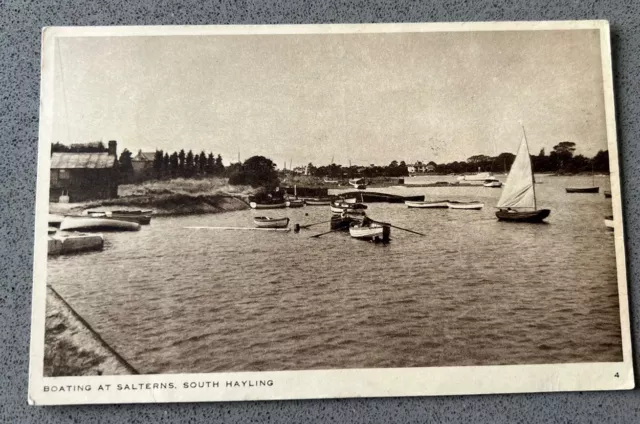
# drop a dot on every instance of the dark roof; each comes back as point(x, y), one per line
point(82, 160)
point(145, 156)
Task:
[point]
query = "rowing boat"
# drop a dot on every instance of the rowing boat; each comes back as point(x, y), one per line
point(87, 223)
point(294, 203)
point(267, 222)
point(317, 201)
point(255, 205)
point(428, 204)
point(452, 204)
point(370, 231)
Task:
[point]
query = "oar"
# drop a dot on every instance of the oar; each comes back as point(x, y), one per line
point(399, 228)
point(322, 234)
point(315, 223)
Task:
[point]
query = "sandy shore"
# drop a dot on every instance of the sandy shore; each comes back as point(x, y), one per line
point(72, 348)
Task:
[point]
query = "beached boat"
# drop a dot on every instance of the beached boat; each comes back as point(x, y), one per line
point(608, 222)
point(278, 205)
point(142, 219)
point(369, 230)
point(452, 204)
point(267, 222)
point(607, 194)
point(518, 200)
point(492, 184)
point(87, 223)
point(582, 189)
point(294, 203)
point(432, 204)
point(318, 201)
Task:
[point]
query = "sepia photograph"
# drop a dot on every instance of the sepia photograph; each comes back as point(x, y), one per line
point(321, 211)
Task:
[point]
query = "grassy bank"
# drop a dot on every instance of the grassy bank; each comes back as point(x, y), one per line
point(171, 197)
point(72, 349)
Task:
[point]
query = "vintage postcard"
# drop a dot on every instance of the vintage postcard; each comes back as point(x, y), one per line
point(322, 211)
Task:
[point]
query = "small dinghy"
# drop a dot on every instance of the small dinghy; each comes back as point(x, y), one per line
point(295, 203)
point(583, 189)
point(492, 184)
point(318, 201)
point(428, 204)
point(267, 222)
point(452, 204)
point(87, 223)
point(339, 207)
point(370, 230)
point(255, 205)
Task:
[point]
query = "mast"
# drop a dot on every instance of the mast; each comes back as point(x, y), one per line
point(533, 183)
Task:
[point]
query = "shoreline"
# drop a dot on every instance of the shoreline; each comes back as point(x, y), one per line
point(72, 348)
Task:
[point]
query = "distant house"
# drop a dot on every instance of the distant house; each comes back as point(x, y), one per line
point(84, 176)
point(143, 164)
point(421, 168)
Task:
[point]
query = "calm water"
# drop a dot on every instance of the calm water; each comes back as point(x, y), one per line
point(474, 291)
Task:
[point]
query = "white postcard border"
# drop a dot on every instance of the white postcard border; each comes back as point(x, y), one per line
point(310, 384)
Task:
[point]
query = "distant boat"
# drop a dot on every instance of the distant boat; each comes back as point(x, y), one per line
point(608, 222)
point(607, 194)
point(583, 189)
point(122, 215)
point(330, 181)
point(255, 205)
point(370, 231)
point(266, 222)
point(492, 183)
point(294, 203)
point(452, 204)
point(374, 197)
point(318, 201)
point(592, 189)
point(358, 183)
point(87, 223)
point(480, 176)
point(433, 204)
point(518, 200)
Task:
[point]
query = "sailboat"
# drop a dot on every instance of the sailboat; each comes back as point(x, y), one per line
point(518, 200)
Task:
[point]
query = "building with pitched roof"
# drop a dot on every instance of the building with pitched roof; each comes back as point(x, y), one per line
point(85, 176)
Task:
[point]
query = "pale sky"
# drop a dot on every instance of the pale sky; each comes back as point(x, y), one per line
point(368, 98)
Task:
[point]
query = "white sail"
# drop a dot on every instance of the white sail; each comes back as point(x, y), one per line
point(519, 191)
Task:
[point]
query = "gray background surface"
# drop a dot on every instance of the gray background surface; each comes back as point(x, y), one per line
point(20, 24)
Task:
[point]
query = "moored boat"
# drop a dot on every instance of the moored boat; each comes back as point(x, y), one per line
point(318, 201)
point(358, 183)
point(480, 176)
point(452, 204)
point(267, 222)
point(278, 205)
point(432, 204)
point(374, 197)
point(492, 184)
point(518, 200)
point(295, 203)
point(582, 189)
point(369, 230)
point(87, 223)
point(121, 216)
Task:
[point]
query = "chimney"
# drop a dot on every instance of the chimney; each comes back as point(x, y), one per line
point(113, 148)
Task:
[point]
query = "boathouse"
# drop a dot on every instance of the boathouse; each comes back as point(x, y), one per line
point(142, 164)
point(84, 176)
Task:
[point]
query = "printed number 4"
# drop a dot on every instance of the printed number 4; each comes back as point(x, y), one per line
point(616, 375)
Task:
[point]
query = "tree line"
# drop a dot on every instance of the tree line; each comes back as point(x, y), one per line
point(186, 165)
point(562, 160)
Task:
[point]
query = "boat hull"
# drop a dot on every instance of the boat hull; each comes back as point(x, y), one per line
point(255, 205)
point(264, 222)
point(428, 205)
point(294, 203)
point(140, 219)
point(373, 232)
point(528, 216)
point(582, 189)
point(80, 223)
point(493, 184)
point(468, 206)
point(317, 202)
point(373, 197)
